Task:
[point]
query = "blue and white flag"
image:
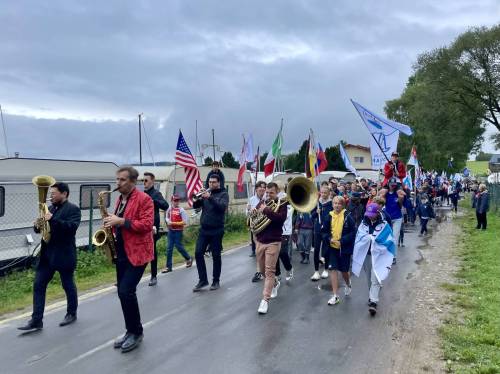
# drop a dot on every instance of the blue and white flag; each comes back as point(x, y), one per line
point(408, 182)
point(345, 158)
point(385, 135)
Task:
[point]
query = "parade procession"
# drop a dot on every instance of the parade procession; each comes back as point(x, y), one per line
point(352, 234)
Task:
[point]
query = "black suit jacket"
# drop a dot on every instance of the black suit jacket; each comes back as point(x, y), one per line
point(60, 252)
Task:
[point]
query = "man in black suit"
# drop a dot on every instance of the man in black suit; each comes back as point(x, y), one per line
point(159, 203)
point(59, 254)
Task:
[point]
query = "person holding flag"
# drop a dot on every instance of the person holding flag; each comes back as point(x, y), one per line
point(373, 252)
point(394, 168)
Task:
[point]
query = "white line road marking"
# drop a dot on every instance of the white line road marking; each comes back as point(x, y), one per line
point(54, 307)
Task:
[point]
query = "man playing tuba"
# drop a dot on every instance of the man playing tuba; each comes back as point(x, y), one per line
point(57, 254)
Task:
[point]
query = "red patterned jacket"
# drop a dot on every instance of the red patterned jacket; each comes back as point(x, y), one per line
point(138, 228)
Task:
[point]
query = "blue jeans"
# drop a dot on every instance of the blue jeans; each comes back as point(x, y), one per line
point(175, 238)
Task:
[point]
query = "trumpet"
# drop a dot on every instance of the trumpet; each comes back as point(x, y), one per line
point(198, 195)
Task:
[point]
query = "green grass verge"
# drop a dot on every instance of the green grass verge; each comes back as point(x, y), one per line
point(478, 167)
point(471, 336)
point(93, 270)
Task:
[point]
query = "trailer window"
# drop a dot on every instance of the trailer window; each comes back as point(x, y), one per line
point(94, 189)
point(240, 195)
point(2, 201)
point(181, 191)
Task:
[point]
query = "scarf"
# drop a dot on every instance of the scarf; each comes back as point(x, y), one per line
point(337, 225)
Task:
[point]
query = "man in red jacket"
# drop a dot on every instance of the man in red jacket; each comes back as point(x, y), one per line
point(394, 168)
point(132, 224)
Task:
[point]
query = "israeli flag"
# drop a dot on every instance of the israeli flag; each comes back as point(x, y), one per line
point(345, 158)
point(385, 135)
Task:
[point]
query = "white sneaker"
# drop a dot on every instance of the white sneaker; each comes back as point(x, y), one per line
point(334, 300)
point(274, 292)
point(347, 290)
point(324, 274)
point(289, 275)
point(316, 277)
point(263, 307)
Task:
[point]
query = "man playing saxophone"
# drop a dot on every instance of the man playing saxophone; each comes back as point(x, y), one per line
point(57, 254)
point(132, 223)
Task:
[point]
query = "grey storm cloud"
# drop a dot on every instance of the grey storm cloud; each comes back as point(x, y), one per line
point(74, 75)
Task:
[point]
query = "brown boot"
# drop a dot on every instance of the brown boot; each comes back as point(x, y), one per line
point(189, 263)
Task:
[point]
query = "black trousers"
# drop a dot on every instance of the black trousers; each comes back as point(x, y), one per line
point(128, 277)
point(154, 262)
point(253, 242)
point(284, 257)
point(481, 220)
point(423, 225)
point(44, 274)
point(322, 246)
point(214, 240)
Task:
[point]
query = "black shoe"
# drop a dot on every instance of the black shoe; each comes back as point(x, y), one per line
point(132, 342)
point(215, 286)
point(153, 281)
point(31, 326)
point(394, 261)
point(251, 254)
point(257, 277)
point(118, 342)
point(200, 286)
point(372, 308)
point(68, 319)
point(306, 260)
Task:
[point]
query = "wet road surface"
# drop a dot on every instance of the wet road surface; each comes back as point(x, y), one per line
point(220, 331)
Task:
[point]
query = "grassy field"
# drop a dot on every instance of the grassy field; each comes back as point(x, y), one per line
point(471, 336)
point(93, 270)
point(478, 167)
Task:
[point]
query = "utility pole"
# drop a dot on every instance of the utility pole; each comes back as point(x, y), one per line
point(4, 133)
point(213, 142)
point(215, 147)
point(140, 138)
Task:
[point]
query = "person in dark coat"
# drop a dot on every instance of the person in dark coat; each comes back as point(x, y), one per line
point(159, 203)
point(58, 254)
point(341, 236)
point(216, 171)
point(213, 206)
point(482, 206)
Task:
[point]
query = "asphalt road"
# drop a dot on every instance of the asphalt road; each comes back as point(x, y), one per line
point(220, 331)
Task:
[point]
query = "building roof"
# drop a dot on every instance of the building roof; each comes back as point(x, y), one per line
point(495, 159)
point(362, 147)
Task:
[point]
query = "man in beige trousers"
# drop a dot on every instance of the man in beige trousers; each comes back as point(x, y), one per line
point(268, 243)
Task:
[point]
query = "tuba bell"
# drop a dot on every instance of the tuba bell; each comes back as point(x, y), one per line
point(301, 194)
point(43, 183)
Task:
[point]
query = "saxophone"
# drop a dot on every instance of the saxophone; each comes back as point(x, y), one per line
point(43, 183)
point(103, 237)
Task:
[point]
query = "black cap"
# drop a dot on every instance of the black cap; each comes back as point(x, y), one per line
point(393, 181)
point(395, 154)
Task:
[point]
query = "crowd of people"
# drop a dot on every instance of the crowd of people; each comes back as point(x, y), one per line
point(356, 226)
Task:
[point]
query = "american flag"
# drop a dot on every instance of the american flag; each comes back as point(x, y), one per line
point(183, 157)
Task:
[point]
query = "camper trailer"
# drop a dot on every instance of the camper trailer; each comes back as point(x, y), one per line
point(19, 199)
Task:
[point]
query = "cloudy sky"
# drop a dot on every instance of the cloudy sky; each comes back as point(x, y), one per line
point(75, 74)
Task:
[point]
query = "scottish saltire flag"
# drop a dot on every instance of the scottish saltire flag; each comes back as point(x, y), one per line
point(382, 248)
point(183, 157)
point(385, 135)
point(345, 158)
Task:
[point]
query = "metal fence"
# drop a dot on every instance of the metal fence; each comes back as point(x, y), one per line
point(494, 192)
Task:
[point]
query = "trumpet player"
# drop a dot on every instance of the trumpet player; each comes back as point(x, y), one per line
point(213, 204)
point(57, 254)
point(132, 224)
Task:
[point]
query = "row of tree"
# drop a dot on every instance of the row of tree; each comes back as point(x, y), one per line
point(451, 96)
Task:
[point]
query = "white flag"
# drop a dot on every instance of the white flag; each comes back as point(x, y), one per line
point(385, 135)
point(345, 158)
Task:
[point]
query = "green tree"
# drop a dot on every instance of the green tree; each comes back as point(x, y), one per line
point(229, 161)
point(297, 161)
point(334, 159)
point(208, 161)
point(481, 156)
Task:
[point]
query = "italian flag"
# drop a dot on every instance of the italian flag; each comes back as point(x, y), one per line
point(273, 154)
